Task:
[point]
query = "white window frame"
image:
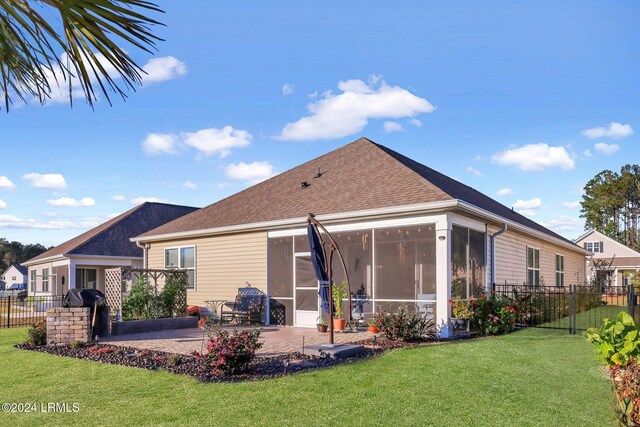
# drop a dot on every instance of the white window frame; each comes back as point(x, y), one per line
point(195, 263)
point(45, 279)
point(594, 247)
point(559, 271)
point(533, 268)
point(33, 275)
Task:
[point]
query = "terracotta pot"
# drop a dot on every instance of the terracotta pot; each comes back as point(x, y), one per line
point(373, 329)
point(338, 324)
point(321, 328)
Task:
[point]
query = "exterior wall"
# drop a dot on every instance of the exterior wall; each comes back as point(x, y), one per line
point(511, 259)
point(611, 248)
point(10, 273)
point(223, 264)
point(56, 270)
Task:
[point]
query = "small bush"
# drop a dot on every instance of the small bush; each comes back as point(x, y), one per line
point(174, 360)
point(626, 382)
point(75, 344)
point(137, 304)
point(38, 333)
point(404, 326)
point(231, 353)
point(494, 315)
point(616, 341)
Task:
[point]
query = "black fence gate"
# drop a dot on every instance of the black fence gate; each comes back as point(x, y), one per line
point(573, 307)
point(21, 310)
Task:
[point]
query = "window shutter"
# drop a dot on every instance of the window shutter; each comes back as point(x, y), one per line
point(585, 245)
point(601, 243)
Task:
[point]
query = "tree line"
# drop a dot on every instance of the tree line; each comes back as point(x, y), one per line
point(611, 204)
point(16, 253)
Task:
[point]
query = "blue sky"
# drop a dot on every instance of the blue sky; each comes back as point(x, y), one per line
point(532, 97)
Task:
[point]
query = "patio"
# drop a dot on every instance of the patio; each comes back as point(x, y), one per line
point(276, 340)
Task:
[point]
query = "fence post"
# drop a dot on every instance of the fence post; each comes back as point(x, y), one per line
point(9, 312)
point(631, 301)
point(572, 310)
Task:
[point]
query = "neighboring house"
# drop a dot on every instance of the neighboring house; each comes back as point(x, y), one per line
point(410, 236)
point(608, 258)
point(16, 274)
point(81, 261)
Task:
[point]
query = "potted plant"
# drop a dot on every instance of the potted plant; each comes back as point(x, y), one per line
point(460, 313)
point(321, 325)
point(373, 326)
point(339, 293)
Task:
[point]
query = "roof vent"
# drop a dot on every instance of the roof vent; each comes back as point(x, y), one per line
point(318, 174)
point(304, 184)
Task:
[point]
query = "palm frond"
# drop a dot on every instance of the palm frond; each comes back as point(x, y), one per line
point(82, 50)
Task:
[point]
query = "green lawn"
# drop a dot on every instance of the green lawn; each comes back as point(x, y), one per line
point(533, 377)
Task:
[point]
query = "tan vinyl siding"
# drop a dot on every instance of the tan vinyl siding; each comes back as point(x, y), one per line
point(223, 264)
point(511, 259)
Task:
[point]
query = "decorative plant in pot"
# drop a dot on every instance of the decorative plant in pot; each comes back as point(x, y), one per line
point(461, 312)
point(373, 328)
point(321, 324)
point(339, 293)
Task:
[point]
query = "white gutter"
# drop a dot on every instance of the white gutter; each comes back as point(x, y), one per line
point(493, 252)
point(301, 221)
point(145, 249)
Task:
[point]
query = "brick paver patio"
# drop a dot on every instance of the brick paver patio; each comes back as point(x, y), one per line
point(277, 340)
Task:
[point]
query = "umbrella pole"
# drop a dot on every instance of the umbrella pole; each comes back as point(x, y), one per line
point(330, 312)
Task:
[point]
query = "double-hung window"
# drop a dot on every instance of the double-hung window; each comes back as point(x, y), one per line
point(184, 258)
point(45, 280)
point(533, 266)
point(559, 270)
point(33, 280)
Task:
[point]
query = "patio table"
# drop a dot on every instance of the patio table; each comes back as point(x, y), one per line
point(216, 305)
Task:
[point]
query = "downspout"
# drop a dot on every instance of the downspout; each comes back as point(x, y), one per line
point(493, 252)
point(145, 250)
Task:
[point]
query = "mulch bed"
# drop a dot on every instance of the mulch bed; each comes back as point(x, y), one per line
point(261, 367)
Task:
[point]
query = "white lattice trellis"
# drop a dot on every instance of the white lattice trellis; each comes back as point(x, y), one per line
point(113, 288)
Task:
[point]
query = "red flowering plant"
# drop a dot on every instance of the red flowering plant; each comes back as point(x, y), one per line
point(461, 309)
point(494, 315)
point(230, 353)
point(404, 325)
point(38, 333)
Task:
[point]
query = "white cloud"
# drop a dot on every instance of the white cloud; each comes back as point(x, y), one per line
point(71, 202)
point(162, 69)
point(190, 185)
point(3, 204)
point(615, 130)
point(565, 225)
point(217, 141)
point(12, 221)
point(118, 198)
point(392, 127)
point(535, 157)
point(337, 116)
point(140, 200)
point(288, 89)
point(571, 205)
point(527, 207)
point(6, 183)
point(474, 171)
point(606, 148)
point(504, 192)
point(312, 94)
point(417, 123)
point(48, 180)
point(160, 143)
point(251, 173)
point(587, 153)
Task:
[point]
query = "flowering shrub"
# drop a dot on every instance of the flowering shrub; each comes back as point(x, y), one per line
point(487, 316)
point(403, 325)
point(230, 353)
point(38, 333)
point(626, 382)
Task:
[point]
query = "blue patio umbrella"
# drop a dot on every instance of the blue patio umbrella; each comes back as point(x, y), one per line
point(319, 265)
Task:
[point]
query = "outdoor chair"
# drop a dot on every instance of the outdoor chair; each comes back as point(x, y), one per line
point(247, 307)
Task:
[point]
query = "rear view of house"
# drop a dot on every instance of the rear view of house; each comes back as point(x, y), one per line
point(608, 259)
point(412, 237)
point(81, 261)
point(15, 275)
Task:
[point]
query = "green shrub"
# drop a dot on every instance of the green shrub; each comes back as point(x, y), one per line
point(171, 299)
point(616, 341)
point(626, 382)
point(339, 292)
point(494, 315)
point(174, 360)
point(78, 344)
point(404, 325)
point(38, 333)
point(230, 353)
point(143, 302)
point(137, 304)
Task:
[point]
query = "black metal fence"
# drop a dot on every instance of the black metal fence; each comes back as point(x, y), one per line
point(573, 307)
point(20, 310)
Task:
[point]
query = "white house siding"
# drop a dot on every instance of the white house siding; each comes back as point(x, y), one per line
point(511, 259)
point(223, 263)
point(13, 275)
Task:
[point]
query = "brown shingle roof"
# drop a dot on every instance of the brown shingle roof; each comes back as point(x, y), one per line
point(359, 176)
point(112, 237)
